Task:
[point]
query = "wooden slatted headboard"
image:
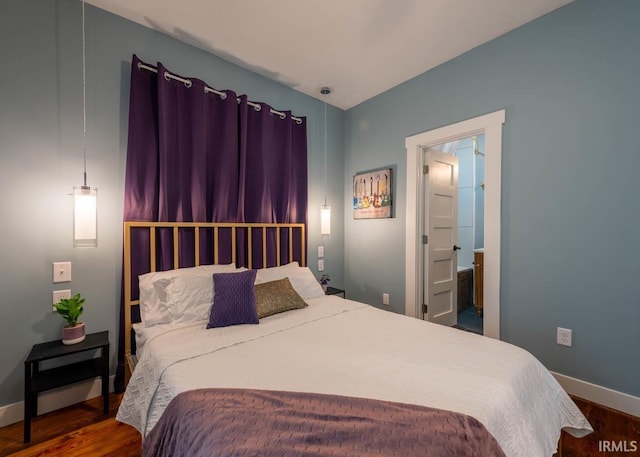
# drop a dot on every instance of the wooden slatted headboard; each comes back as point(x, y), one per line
point(250, 231)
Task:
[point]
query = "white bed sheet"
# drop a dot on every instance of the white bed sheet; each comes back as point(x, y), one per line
point(342, 347)
point(144, 334)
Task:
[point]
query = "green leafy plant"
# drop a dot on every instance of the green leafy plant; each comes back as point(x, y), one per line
point(70, 309)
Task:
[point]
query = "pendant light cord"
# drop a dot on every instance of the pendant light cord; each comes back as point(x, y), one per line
point(84, 103)
point(325, 91)
point(325, 154)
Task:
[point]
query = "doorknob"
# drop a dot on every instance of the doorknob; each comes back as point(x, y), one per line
point(456, 248)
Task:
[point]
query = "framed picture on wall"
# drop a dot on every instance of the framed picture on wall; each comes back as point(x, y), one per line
point(372, 194)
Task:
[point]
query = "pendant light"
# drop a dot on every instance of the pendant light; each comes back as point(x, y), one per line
point(325, 210)
point(85, 224)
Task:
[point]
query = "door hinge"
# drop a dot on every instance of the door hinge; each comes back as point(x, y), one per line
point(424, 309)
point(425, 169)
point(425, 239)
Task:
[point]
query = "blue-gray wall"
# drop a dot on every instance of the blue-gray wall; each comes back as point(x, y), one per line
point(570, 84)
point(41, 159)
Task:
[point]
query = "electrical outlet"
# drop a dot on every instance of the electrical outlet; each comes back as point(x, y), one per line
point(564, 336)
point(385, 299)
point(320, 264)
point(58, 294)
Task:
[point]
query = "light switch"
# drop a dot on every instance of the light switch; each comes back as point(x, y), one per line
point(320, 251)
point(61, 272)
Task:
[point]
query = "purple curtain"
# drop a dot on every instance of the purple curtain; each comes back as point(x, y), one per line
point(272, 175)
point(203, 157)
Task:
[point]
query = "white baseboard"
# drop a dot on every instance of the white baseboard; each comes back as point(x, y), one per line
point(601, 395)
point(55, 399)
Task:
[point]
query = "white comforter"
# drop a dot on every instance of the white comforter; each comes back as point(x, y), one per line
point(338, 346)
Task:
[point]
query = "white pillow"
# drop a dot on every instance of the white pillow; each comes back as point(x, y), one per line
point(273, 273)
point(301, 278)
point(152, 312)
point(181, 295)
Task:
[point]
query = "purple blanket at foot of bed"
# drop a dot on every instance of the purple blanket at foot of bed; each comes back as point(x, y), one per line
point(239, 422)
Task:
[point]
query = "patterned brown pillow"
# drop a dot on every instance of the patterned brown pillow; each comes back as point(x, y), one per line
point(275, 297)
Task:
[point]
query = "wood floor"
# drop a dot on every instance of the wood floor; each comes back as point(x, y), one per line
point(82, 430)
point(78, 430)
point(608, 425)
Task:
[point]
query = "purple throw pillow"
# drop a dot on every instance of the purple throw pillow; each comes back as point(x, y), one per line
point(234, 299)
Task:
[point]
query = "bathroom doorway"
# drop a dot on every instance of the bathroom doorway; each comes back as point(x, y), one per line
point(491, 126)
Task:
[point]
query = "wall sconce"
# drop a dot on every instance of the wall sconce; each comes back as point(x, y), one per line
point(85, 204)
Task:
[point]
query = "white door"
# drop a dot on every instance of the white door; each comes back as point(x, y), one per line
point(440, 283)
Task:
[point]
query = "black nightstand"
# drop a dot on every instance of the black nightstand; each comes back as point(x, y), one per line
point(36, 380)
point(335, 291)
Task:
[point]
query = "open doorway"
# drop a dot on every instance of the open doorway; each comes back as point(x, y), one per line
point(491, 126)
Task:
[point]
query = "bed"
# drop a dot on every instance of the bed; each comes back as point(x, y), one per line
point(317, 374)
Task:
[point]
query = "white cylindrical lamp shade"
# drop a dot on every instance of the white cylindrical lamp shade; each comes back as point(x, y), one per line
point(325, 220)
point(85, 216)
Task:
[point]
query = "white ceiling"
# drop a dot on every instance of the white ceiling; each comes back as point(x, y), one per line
point(359, 48)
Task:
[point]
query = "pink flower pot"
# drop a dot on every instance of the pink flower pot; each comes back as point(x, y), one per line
point(73, 335)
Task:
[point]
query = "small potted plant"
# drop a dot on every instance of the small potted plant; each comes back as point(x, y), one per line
point(70, 309)
point(324, 281)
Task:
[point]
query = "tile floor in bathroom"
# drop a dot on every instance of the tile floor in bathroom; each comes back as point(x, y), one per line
point(469, 320)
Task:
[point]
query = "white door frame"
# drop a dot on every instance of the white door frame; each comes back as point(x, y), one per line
point(491, 125)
